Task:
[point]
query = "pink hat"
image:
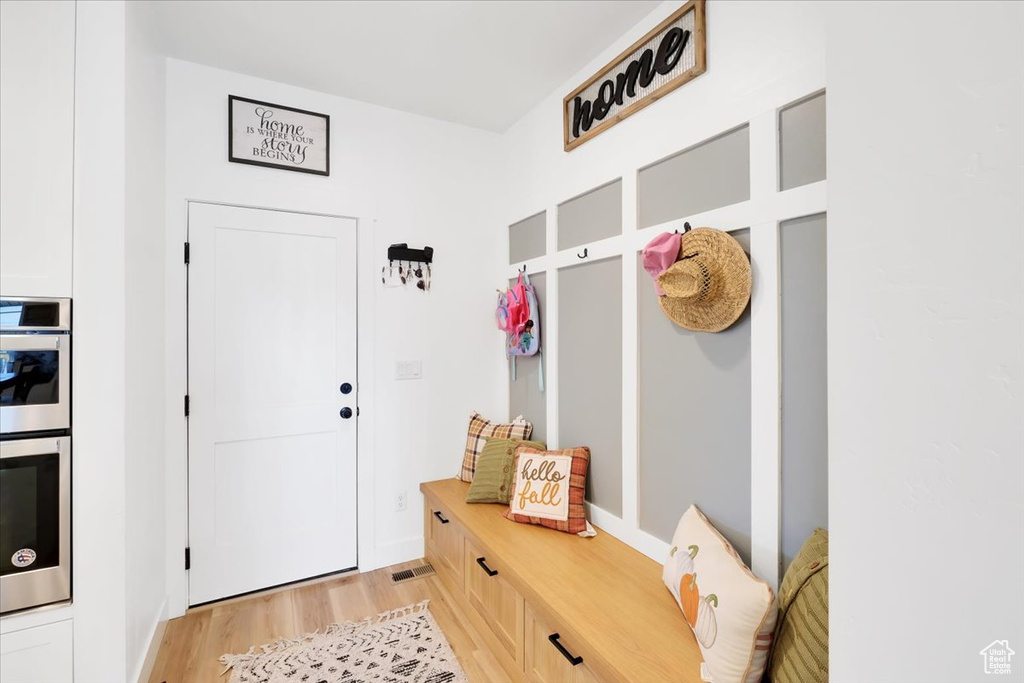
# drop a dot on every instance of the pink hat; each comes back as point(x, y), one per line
point(659, 254)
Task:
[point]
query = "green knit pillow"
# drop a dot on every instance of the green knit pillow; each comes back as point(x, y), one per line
point(800, 652)
point(492, 482)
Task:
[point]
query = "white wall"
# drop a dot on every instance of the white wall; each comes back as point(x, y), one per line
point(99, 557)
point(408, 179)
point(761, 56)
point(926, 338)
point(758, 55)
point(144, 330)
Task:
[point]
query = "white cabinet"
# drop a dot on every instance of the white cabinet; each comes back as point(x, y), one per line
point(42, 654)
point(37, 121)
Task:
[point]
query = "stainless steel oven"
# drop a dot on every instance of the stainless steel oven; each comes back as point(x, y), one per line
point(35, 522)
point(35, 365)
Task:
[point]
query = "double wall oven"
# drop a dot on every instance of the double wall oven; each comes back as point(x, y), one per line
point(35, 452)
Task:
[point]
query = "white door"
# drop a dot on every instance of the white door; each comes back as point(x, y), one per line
point(271, 341)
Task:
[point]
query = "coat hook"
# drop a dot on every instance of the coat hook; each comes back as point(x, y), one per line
point(583, 255)
point(523, 269)
point(686, 227)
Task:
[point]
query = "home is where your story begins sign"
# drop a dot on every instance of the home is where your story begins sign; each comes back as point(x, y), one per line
point(273, 135)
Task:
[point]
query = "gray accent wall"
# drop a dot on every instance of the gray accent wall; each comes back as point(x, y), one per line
point(590, 217)
point(802, 143)
point(526, 239)
point(694, 421)
point(590, 373)
point(804, 383)
point(525, 397)
point(713, 174)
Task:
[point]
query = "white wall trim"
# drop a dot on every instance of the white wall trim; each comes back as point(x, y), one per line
point(765, 355)
point(156, 634)
point(365, 422)
point(630, 357)
point(394, 553)
point(765, 405)
point(550, 341)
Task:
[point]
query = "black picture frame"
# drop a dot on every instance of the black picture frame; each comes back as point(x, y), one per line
point(326, 171)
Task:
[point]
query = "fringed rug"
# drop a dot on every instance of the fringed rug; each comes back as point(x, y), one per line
point(401, 645)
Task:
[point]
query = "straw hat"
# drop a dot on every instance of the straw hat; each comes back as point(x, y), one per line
point(708, 288)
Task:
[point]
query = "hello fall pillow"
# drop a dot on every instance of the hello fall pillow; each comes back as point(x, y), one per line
point(548, 489)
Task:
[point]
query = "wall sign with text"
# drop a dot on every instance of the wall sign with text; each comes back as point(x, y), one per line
point(673, 53)
point(265, 134)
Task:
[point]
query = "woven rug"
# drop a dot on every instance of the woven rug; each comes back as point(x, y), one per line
point(394, 647)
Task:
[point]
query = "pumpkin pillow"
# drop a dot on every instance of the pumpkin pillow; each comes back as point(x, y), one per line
point(548, 489)
point(731, 611)
point(481, 429)
point(492, 482)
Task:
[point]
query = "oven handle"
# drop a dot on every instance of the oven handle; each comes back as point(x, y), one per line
point(24, 448)
point(32, 342)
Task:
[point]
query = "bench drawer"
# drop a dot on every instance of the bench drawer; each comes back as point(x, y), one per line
point(545, 663)
point(494, 598)
point(444, 543)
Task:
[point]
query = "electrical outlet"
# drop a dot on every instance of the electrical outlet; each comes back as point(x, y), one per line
point(401, 501)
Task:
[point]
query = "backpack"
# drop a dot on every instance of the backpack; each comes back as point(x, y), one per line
point(518, 316)
point(513, 309)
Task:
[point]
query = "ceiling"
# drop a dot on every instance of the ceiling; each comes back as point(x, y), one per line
point(482, 64)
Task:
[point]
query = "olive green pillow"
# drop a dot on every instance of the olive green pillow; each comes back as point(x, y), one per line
point(800, 653)
point(492, 482)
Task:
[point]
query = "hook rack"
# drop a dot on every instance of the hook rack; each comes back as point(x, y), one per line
point(402, 252)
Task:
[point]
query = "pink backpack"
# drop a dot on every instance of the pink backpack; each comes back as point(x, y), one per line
point(518, 317)
point(513, 309)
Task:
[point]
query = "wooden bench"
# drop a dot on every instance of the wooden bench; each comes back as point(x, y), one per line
point(519, 584)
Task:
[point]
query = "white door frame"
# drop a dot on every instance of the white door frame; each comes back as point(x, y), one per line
point(176, 441)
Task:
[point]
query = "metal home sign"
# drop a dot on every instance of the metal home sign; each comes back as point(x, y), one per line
point(672, 54)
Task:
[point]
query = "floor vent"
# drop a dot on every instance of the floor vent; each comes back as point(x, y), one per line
point(409, 574)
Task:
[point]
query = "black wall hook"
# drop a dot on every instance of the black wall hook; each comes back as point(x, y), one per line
point(583, 255)
point(523, 269)
point(686, 228)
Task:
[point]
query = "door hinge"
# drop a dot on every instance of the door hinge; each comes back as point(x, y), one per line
point(186, 253)
point(186, 405)
point(188, 558)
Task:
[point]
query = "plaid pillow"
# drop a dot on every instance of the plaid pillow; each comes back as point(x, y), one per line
point(480, 430)
point(549, 487)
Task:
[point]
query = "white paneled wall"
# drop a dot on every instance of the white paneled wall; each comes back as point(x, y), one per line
point(541, 177)
point(763, 212)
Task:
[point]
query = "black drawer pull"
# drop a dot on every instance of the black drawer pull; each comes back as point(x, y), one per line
point(565, 653)
point(437, 513)
point(490, 572)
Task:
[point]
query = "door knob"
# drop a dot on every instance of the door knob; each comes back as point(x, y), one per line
point(346, 412)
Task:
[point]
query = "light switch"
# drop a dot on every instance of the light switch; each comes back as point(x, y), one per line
point(408, 369)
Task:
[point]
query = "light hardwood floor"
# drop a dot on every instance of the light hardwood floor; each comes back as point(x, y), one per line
point(192, 644)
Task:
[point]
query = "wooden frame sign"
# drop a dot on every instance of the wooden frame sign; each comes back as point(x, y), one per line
point(273, 135)
point(673, 53)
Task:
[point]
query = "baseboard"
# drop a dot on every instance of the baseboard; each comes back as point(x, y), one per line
point(156, 636)
point(393, 553)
